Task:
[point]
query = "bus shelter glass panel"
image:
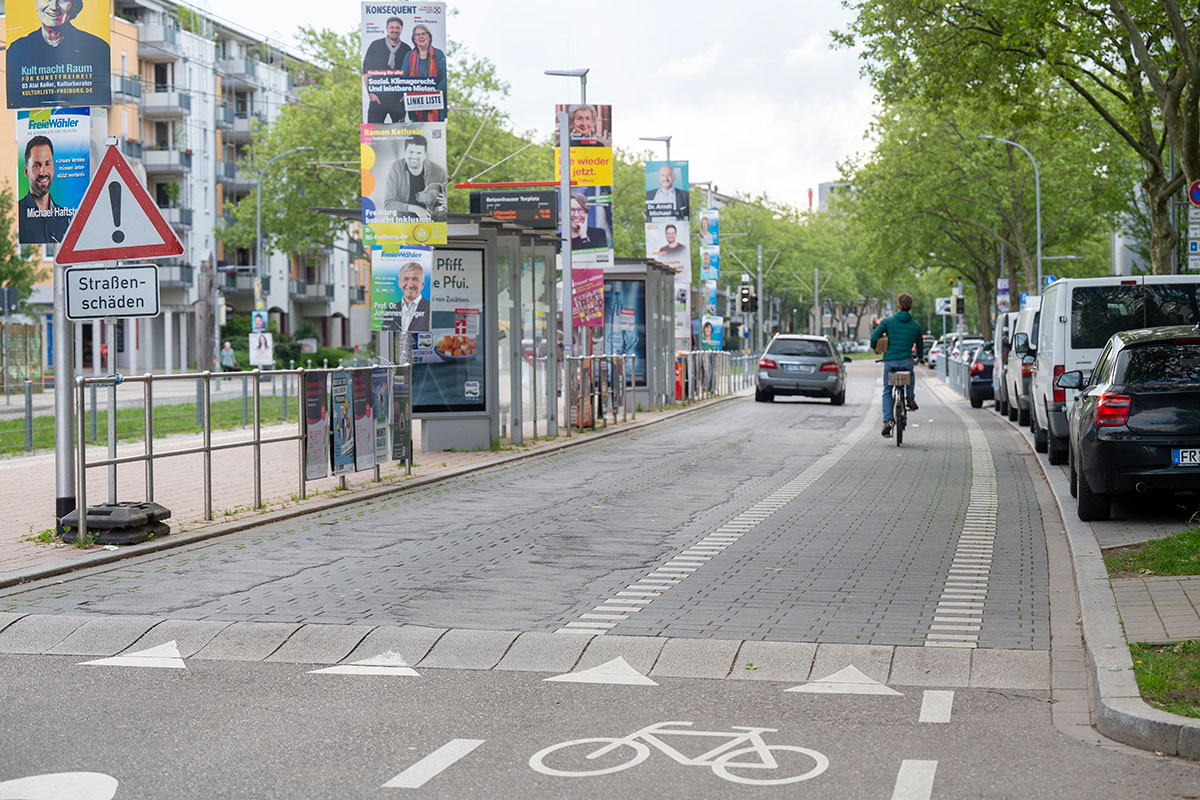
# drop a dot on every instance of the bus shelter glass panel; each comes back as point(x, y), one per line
point(541, 328)
point(503, 315)
point(528, 338)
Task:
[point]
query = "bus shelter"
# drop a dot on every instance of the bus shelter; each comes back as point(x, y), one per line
point(639, 311)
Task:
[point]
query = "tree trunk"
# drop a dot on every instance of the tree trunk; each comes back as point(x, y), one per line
point(1162, 227)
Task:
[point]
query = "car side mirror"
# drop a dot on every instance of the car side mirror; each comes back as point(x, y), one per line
point(846, 359)
point(1021, 344)
point(1070, 380)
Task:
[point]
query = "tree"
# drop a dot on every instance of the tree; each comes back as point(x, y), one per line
point(19, 265)
point(1134, 64)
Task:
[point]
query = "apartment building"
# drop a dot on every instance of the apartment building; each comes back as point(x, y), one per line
point(188, 92)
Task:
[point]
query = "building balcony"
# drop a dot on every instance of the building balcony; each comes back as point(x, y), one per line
point(244, 180)
point(233, 282)
point(240, 73)
point(166, 162)
point(177, 218)
point(304, 292)
point(126, 87)
point(244, 125)
point(158, 43)
point(130, 148)
point(358, 295)
point(226, 170)
point(223, 117)
point(166, 104)
point(176, 275)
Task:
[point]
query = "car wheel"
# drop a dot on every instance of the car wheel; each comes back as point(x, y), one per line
point(1022, 417)
point(1040, 441)
point(996, 404)
point(1058, 450)
point(839, 398)
point(1013, 410)
point(760, 396)
point(976, 402)
point(1072, 478)
point(1089, 505)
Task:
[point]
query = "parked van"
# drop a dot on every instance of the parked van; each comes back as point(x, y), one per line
point(1020, 364)
point(1001, 342)
point(1079, 315)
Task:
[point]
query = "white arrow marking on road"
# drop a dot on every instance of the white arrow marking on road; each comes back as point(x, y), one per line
point(615, 671)
point(431, 765)
point(915, 780)
point(936, 706)
point(163, 656)
point(388, 663)
point(849, 680)
point(61, 786)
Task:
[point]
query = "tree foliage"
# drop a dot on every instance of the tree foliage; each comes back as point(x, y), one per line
point(19, 265)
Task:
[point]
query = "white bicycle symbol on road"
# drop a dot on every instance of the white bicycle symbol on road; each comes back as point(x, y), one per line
point(741, 742)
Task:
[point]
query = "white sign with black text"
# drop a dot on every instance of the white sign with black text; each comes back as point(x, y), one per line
point(106, 291)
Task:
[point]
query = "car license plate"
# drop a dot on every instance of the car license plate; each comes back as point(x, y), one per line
point(798, 367)
point(1183, 457)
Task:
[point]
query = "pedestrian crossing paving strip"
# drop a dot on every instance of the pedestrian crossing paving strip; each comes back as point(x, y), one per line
point(675, 569)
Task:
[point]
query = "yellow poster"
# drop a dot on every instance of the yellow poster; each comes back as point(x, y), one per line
point(404, 183)
point(590, 166)
point(58, 53)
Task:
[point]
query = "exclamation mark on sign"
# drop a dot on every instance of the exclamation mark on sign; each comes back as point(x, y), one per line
point(114, 195)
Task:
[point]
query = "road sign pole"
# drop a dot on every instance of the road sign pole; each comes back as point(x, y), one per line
point(64, 379)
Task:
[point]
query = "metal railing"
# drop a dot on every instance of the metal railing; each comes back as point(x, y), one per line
point(596, 386)
point(703, 374)
point(251, 405)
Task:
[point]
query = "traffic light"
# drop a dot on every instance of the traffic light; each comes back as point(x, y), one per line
point(960, 305)
point(952, 284)
point(753, 304)
point(745, 299)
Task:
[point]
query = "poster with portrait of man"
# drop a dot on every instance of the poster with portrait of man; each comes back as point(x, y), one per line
point(400, 288)
point(403, 62)
point(58, 53)
point(667, 241)
point(404, 182)
point(53, 170)
point(710, 263)
point(667, 190)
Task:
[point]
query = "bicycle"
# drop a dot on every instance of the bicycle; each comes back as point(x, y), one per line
point(720, 759)
point(900, 380)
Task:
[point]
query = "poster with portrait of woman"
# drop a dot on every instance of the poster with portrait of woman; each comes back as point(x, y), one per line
point(58, 53)
point(591, 222)
point(262, 349)
point(404, 62)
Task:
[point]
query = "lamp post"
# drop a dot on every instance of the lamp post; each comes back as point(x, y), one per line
point(665, 139)
point(1037, 189)
point(258, 207)
point(564, 210)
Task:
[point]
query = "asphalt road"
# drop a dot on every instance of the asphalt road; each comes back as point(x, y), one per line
point(724, 533)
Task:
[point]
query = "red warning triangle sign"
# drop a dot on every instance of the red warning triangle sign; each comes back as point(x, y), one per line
point(116, 219)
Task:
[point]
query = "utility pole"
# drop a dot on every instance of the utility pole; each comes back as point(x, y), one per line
point(758, 321)
point(817, 324)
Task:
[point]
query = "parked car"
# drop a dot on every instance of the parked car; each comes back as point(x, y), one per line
point(926, 344)
point(979, 383)
point(794, 364)
point(1133, 425)
point(935, 351)
point(1020, 362)
point(1001, 342)
point(1079, 315)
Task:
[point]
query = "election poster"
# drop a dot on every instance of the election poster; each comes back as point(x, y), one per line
point(710, 297)
point(57, 54)
point(588, 125)
point(364, 421)
point(533, 208)
point(667, 242)
point(404, 182)
point(667, 195)
point(710, 227)
point(380, 403)
point(316, 425)
point(591, 219)
point(343, 423)
point(683, 311)
point(625, 325)
point(262, 349)
point(710, 263)
point(587, 289)
point(404, 62)
point(448, 374)
point(401, 417)
point(400, 287)
point(53, 171)
point(712, 330)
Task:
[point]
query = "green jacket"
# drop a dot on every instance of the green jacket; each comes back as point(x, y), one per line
point(902, 332)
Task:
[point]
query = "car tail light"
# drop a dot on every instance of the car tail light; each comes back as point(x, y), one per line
point(1060, 395)
point(1026, 369)
point(829, 366)
point(767, 363)
point(1113, 409)
point(976, 367)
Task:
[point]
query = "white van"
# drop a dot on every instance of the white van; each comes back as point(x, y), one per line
point(1020, 365)
point(1001, 342)
point(1078, 317)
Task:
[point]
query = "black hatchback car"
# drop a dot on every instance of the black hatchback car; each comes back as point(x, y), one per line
point(979, 372)
point(1135, 424)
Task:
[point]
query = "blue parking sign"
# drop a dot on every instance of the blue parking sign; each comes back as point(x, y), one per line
point(1024, 299)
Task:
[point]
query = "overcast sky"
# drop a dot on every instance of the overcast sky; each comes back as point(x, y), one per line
point(751, 92)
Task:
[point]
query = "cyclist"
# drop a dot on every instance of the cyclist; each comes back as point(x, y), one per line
point(903, 334)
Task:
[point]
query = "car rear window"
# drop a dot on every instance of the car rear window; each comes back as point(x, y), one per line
point(986, 355)
point(799, 347)
point(1097, 312)
point(1172, 304)
point(1160, 364)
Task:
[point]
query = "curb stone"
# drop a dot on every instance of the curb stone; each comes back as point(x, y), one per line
point(101, 558)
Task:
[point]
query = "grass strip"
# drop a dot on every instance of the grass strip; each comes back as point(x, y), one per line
point(1178, 554)
point(1168, 676)
point(169, 420)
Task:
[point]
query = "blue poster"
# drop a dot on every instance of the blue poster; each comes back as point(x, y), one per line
point(710, 228)
point(710, 263)
point(712, 332)
point(343, 423)
point(52, 171)
point(625, 324)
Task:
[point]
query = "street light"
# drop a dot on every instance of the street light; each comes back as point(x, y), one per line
point(1037, 188)
point(564, 209)
point(573, 73)
point(258, 207)
point(666, 139)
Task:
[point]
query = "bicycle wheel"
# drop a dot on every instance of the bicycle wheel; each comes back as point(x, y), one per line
point(900, 417)
point(721, 765)
point(538, 760)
